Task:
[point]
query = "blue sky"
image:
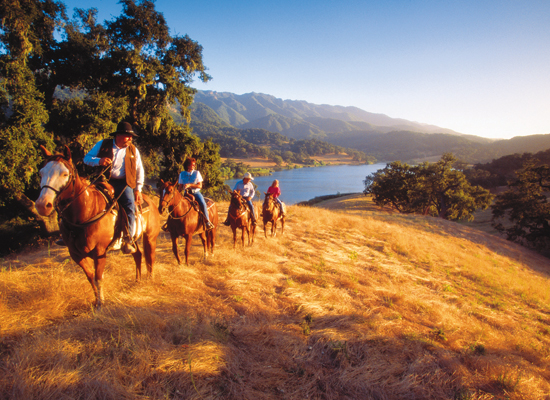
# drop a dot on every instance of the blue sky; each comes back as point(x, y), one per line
point(478, 67)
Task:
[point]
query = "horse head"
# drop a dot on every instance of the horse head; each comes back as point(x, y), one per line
point(56, 175)
point(236, 199)
point(167, 192)
point(269, 202)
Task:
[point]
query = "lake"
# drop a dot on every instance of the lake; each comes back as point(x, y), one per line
point(304, 184)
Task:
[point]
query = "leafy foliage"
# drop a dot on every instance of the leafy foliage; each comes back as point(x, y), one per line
point(503, 170)
point(74, 91)
point(523, 211)
point(430, 189)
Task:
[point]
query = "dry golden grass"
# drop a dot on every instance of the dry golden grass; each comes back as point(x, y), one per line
point(352, 302)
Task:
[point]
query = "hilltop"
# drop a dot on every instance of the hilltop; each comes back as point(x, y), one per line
point(352, 302)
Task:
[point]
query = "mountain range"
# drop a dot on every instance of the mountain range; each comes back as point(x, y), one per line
point(378, 135)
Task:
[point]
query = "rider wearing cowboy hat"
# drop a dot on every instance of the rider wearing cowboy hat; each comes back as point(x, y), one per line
point(246, 190)
point(126, 174)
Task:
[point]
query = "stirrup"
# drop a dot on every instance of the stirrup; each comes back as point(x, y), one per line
point(209, 225)
point(128, 247)
point(226, 222)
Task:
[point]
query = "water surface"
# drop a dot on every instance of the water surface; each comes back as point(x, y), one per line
point(306, 183)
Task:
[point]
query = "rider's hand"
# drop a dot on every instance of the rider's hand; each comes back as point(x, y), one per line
point(139, 197)
point(105, 161)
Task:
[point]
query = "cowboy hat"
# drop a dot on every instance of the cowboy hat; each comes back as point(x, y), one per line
point(124, 128)
point(248, 175)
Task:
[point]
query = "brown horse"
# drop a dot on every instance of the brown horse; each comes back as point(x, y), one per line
point(239, 217)
point(88, 219)
point(271, 212)
point(184, 219)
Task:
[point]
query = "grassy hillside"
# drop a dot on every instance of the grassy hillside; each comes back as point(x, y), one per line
point(352, 302)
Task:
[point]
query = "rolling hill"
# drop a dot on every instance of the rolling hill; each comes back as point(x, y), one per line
point(377, 135)
point(352, 302)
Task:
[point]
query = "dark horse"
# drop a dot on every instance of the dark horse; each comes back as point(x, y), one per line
point(271, 212)
point(239, 217)
point(184, 219)
point(88, 219)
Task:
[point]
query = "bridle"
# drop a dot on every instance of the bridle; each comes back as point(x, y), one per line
point(174, 206)
point(72, 179)
point(243, 209)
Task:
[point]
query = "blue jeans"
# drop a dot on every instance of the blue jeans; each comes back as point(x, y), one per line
point(202, 204)
point(126, 200)
point(249, 202)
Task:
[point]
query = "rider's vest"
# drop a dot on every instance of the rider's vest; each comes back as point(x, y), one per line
point(130, 165)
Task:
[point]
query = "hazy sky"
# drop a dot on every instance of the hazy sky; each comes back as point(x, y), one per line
point(478, 67)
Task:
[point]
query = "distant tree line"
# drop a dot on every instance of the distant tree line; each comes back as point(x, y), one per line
point(246, 143)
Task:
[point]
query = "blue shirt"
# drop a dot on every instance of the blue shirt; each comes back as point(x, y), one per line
point(247, 190)
point(192, 177)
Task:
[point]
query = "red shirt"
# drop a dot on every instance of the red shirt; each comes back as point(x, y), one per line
point(275, 191)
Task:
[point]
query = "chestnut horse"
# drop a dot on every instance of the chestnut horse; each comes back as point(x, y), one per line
point(88, 219)
point(271, 212)
point(239, 217)
point(184, 219)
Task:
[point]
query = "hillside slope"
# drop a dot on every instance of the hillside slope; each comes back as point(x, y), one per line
point(352, 302)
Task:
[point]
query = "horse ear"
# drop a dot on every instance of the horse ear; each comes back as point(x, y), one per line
point(67, 153)
point(45, 151)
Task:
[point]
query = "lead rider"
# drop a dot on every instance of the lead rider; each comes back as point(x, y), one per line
point(127, 175)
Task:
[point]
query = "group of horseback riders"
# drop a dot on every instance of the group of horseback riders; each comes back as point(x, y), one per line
point(127, 176)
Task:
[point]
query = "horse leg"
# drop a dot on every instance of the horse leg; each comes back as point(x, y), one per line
point(252, 232)
point(174, 238)
point(245, 230)
point(211, 240)
point(273, 228)
point(137, 261)
point(282, 225)
point(265, 228)
point(204, 246)
point(99, 261)
point(87, 266)
point(149, 251)
point(234, 229)
point(188, 239)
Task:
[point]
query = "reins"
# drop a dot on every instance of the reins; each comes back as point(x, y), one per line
point(171, 213)
point(72, 179)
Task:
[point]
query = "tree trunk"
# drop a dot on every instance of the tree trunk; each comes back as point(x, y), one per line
point(48, 225)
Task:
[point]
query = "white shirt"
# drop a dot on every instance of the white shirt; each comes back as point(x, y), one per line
point(192, 177)
point(118, 165)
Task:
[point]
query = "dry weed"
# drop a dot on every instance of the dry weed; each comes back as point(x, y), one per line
point(351, 303)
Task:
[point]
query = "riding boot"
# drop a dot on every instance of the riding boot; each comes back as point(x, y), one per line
point(209, 225)
point(128, 246)
point(61, 242)
point(165, 227)
point(226, 222)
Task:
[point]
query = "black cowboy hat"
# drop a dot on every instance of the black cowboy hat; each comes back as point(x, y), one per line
point(124, 128)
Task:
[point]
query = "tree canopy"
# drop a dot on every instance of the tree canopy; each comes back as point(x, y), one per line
point(127, 68)
point(523, 211)
point(435, 189)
